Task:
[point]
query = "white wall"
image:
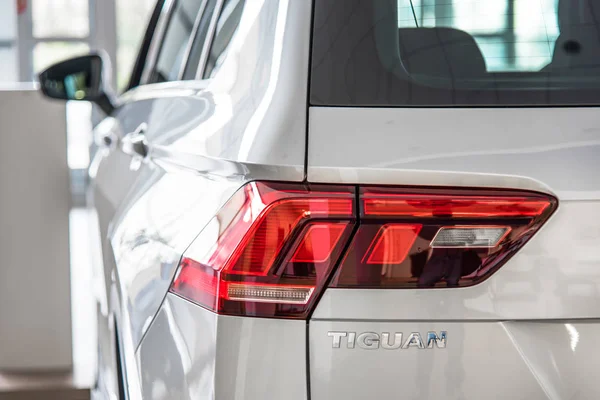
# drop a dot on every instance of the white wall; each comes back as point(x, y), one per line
point(8, 32)
point(8, 20)
point(35, 312)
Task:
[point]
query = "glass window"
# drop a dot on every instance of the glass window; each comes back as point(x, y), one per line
point(60, 18)
point(8, 42)
point(512, 35)
point(456, 52)
point(8, 66)
point(175, 42)
point(227, 24)
point(8, 21)
point(132, 19)
point(198, 46)
point(47, 53)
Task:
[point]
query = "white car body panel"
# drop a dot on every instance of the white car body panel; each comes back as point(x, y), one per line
point(204, 140)
point(517, 334)
point(192, 353)
point(497, 348)
point(548, 146)
point(512, 360)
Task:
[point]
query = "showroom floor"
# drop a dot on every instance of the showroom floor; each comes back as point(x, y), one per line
point(73, 384)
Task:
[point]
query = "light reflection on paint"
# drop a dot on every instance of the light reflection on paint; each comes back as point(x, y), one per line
point(574, 334)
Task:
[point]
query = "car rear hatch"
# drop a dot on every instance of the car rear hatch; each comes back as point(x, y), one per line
point(471, 133)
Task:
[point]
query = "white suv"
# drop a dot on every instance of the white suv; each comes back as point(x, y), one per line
point(348, 200)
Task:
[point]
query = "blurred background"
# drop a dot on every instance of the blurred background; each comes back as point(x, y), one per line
point(34, 34)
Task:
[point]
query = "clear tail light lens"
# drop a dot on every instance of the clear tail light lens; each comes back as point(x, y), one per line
point(469, 236)
point(269, 251)
point(427, 238)
point(273, 247)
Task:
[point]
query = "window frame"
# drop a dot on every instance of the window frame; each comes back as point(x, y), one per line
point(157, 42)
point(208, 40)
point(213, 30)
point(164, 13)
point(193, 44)
point(143, 56)
point(162, 24)
point(190, 43)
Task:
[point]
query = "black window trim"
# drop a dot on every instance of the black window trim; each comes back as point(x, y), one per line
point(190, 43)
point(143, 53)
point(206, 53)
point(156, 44)
point(210, 35)
point(153, 40)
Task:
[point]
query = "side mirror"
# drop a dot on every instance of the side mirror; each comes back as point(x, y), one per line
point(80, 78)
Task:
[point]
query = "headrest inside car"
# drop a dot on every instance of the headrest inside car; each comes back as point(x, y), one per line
point(440, 52)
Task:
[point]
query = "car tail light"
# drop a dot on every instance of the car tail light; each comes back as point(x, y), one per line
point(426, 238)
point(273, 247)
point(269, 251)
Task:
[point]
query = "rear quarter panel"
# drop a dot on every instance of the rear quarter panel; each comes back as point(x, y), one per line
point(207, 139)
point(192, 353)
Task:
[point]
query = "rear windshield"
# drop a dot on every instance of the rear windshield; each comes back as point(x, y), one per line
point(456, 52)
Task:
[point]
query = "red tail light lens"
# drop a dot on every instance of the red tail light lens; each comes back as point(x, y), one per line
point(318, 242)
point(425, 205)
point(392, 244)
point(426, 238)
point(269, 251)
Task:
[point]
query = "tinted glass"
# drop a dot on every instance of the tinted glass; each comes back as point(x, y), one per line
point(74, 79)
point(229, 19)
point(199, 41)
point(176, 39)
point(455, 52)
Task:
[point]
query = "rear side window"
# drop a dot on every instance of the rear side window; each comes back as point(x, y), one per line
point(175, 42)
point(227, 24)
point(456, 52)
point(193, 62)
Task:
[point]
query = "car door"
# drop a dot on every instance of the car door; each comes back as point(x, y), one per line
point(136, 262)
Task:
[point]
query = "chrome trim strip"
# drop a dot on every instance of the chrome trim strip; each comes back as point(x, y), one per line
point(190, 44)
point(208, 40)
point(155, 45)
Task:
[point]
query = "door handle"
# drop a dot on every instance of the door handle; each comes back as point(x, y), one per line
point(105, 135)
point(135, 143)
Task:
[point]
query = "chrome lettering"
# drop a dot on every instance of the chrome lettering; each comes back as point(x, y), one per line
point(351, 339)
point(368, 340)
point(337, 338)
point(388, 340)
point(385, 341)
point(413, 340)
point(440, 341)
